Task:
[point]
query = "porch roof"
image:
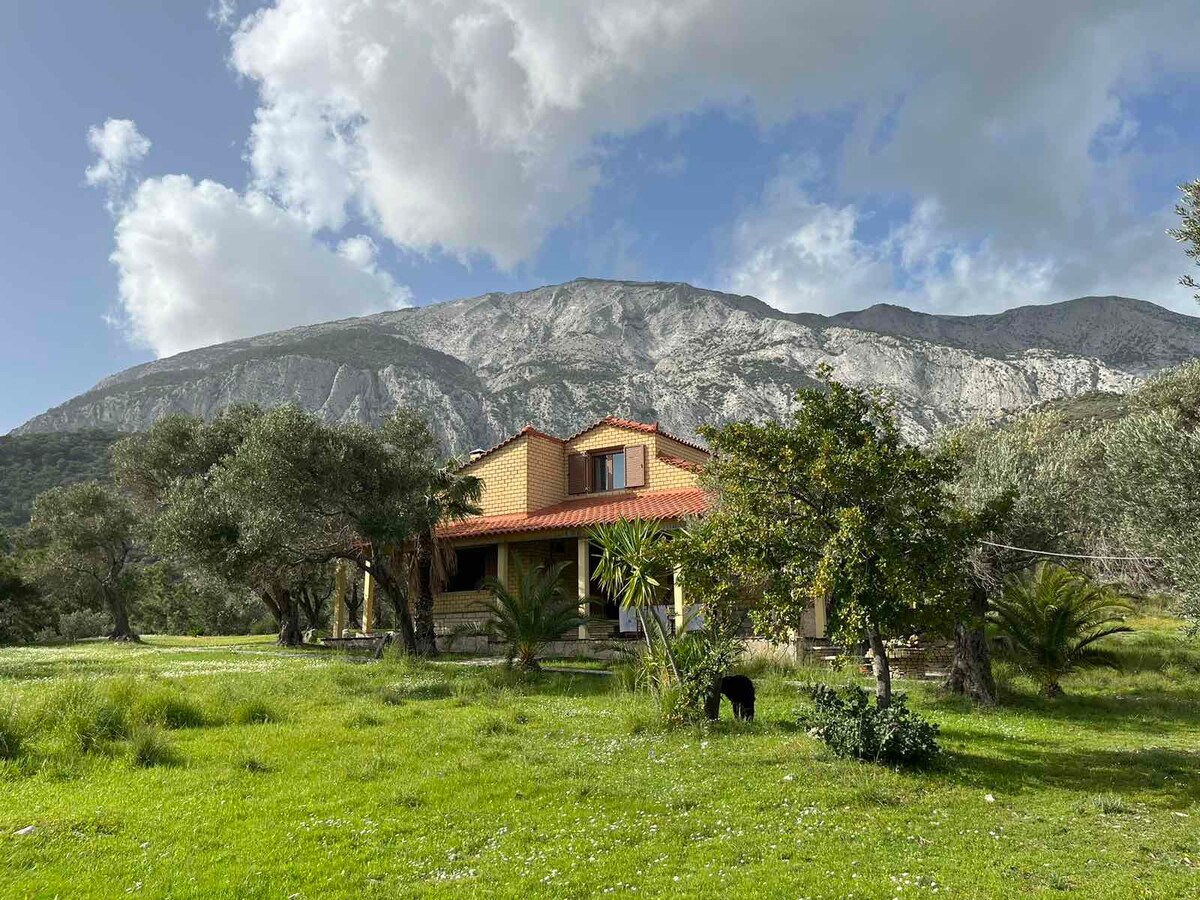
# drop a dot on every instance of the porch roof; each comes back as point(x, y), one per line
point(592, 510)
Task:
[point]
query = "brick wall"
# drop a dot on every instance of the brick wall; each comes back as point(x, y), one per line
point(546, 472)
point(504, 476)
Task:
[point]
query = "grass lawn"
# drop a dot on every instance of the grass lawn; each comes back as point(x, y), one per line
point(306, 775)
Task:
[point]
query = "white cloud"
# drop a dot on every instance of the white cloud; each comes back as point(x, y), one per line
point(119, 148)
point(200, 263)
point(472, 125)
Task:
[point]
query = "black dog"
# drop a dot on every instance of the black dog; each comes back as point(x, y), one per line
point(740, 691)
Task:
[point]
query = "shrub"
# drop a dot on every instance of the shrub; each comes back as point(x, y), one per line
point(852, 728)
point(149, 747)
point(75, 626)
point(88, 718)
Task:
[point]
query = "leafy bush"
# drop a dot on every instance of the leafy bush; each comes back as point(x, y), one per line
point(853, 728)
point(83, 623)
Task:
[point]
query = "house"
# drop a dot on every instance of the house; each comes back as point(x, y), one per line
point(541, 493)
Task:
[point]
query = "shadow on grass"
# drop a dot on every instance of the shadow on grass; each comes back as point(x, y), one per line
point(1012, 766)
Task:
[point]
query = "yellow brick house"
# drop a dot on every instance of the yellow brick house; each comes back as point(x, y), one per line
point(540, 495)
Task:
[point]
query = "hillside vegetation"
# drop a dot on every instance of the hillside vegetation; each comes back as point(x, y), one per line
point(32, 463)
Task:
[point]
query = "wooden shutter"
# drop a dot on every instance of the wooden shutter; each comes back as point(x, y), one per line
point(635, 465)
point(577, 473)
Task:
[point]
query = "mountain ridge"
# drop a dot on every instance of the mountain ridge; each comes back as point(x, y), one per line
point(481, 367)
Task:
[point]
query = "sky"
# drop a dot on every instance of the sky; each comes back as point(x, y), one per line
point(179, 174)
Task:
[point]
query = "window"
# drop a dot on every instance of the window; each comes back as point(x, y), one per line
point(608, 471)
point(471, 566)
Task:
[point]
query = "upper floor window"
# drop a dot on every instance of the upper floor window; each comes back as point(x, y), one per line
point(608, 471)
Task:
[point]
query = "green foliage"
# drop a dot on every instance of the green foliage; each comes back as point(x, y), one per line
point(539, 611)
point(852, 728)
point(1051, 618)
point(255, 712)
point(168, 707)
point(150, 748)
point(24, 610)
point(12, 733)
point(1188, 232)
point(81, 624)
point(634, 563)
point(87, 552)
point(834, 504)
point(33, 463)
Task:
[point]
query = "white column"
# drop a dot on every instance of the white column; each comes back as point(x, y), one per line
point(502, 563)
point(819, 617)
point(368, 608)
point(680, 608)
point(341, 584)
point(584, 586)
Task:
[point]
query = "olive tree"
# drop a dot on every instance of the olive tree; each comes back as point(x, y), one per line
point(87, 550)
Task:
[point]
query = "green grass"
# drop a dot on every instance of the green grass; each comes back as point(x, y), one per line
point(142, 771)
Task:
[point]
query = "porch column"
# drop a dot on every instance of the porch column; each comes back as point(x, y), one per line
point(368, 611)
point(819, 616)
point(680, 608)
point(584, 586)
point(502, 563)
point(341, 584)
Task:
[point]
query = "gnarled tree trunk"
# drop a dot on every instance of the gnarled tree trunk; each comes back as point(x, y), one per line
point(385, 577)
point(290, 634)
point(971, 671)
point(120, 615)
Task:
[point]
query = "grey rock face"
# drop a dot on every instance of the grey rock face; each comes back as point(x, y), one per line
point(563, 355)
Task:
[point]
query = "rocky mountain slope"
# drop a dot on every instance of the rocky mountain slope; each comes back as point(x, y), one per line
point(562, 355)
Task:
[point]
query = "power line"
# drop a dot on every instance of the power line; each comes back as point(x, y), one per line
point(1074, 555)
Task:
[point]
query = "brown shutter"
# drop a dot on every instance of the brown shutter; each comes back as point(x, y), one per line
point(635, 465)
point(577, 473)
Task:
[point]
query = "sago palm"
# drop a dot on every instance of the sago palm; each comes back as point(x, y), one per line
point(1051, 618)
point(540, 611)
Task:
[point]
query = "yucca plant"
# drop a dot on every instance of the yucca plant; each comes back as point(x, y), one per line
point(1050, 619)
point(540, 611)
point(633, 568)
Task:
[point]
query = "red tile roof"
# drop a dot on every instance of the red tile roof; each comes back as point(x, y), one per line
point(679, 463)
point(593, 510)
point(528, 430)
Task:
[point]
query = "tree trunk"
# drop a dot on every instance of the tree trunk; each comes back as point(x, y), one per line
point(971, 671)
point(290, 634)
point(425, 635)
point(881, 668)
point(121, 630)
point(385, 579)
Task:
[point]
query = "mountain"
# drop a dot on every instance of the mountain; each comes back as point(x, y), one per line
point(562, 355)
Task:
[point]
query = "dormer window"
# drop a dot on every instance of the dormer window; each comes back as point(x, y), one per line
point(614, 469)
point(608, 471)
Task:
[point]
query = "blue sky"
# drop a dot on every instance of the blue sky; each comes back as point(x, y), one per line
point(257, 167)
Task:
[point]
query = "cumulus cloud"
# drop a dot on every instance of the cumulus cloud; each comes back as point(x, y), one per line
point(119, 148)
point(200, 263)
point(476, 126)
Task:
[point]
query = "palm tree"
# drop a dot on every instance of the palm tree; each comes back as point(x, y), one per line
point(1051, 619)
point(633, 568)
point(540, 611)
point(451, 497)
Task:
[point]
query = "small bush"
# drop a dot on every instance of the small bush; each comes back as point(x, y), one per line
point(254, 712)
point(149, 747)
point(12, 735)
point(853, 728)
point(75, 626)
